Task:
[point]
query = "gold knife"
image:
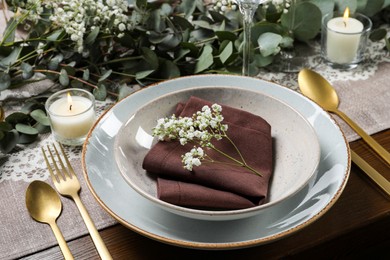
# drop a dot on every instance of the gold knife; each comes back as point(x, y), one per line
point(373, 174)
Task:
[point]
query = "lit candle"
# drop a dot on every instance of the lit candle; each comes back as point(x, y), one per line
point(343, 38)
point(71, 116)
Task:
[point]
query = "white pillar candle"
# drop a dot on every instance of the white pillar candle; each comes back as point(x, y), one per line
point(343, 38)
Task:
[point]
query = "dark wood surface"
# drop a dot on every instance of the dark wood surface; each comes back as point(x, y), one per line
point(356, 227)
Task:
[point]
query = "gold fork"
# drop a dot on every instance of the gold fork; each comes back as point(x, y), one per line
point(67, 184)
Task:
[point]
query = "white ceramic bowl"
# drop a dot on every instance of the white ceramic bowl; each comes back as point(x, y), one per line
point(296, 147)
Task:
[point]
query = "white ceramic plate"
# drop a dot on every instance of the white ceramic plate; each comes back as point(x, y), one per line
point(296, 147)
point(285, 218)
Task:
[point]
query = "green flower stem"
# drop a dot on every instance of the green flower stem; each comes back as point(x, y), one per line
point(243, 164)
point(75, 78)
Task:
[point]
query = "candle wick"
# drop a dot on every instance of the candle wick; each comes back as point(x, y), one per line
point(70, 107)
point(345, 24)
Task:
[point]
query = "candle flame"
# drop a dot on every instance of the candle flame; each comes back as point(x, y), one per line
point(70, 101)
point(346, 16)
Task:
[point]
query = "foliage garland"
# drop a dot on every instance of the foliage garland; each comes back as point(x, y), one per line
point(114, 44)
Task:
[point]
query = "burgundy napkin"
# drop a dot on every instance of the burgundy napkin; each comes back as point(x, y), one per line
point(216, 185)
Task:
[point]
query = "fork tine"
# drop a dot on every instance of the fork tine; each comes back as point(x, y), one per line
point(69, 166)
point(59, 172)
point(65, 170)
point(52, 174)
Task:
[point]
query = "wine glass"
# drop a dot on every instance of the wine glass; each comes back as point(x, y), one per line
point(247, 9)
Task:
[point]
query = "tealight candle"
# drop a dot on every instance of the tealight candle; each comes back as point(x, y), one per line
point(71, 113)
point(344, 39)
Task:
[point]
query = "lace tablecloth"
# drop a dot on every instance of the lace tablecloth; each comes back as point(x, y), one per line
point(364, 93)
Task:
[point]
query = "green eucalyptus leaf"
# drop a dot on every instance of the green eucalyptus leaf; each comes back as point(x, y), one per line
point(378, 34)
point(76, 83)
point(27, 138)
point(269, 43)
point(351, 4)
point(55, 62)
point(150, 57)
point(11, 58)
point(100, 92)
point(64, 78)
point(373, 7)
point(143, 74)
point(205, 60)
point(141, 4)
point(9, 32)
point(226, 52)
point(5, 127)
point(86, 74)
point(26, 129)
point(1, 135)
point(105, 75)
point(187, 7)
point(326, 6)
point(56, 35)
point(262, 61)
point(17, 117)
point(92, 36)
point(168, 69)
point(304, 20)
point(42, 129)
point(40, 116)
point(9, 141)
point(5, 81)
point(225, 35)
point(27, 70)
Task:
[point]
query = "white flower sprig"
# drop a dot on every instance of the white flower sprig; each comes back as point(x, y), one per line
point(200, 129)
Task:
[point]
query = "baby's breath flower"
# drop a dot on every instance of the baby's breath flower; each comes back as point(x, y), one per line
point(200, 129)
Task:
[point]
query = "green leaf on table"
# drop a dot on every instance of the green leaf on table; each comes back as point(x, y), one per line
point(11, 58)
point(326, 6)
point(124, 91)
point(143, 74)
point(105, 75)
point(55, 62)
point(26, 129)
point(42, 129)
point(9, 32)
point(27, 138)
point(304, 21)
point(17, 117)
point(205, 59)
point(378, 34)
point(269, 43)
point(150, 57)
point(168, 69)
point(227, 52)
point(40, 116)
point(86, 74)
point(1, 135)
point(27, 70)
point(225, 35)
point(5, 127)
point(9, 141)
point(5, 81)
point(373, 7)
point(100, 92)
point(64, 78)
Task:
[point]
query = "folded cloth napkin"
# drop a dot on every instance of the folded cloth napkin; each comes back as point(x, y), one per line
point(216, 185)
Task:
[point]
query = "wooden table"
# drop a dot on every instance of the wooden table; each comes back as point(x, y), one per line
point(358, 225)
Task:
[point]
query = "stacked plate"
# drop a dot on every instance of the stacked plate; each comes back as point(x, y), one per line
point(110, 161)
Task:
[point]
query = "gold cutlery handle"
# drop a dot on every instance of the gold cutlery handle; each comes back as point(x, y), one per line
point(96, 238)
point(371, 172)
point(61, 241)
point(382, 152)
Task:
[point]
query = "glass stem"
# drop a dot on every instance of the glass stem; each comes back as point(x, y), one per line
point(248, 10)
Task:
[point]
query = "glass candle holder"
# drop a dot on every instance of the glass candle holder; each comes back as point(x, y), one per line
point(72, 114)
point(344, 40)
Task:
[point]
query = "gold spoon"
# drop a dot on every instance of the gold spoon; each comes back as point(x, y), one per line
point(44, 205)
point(314, 86)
